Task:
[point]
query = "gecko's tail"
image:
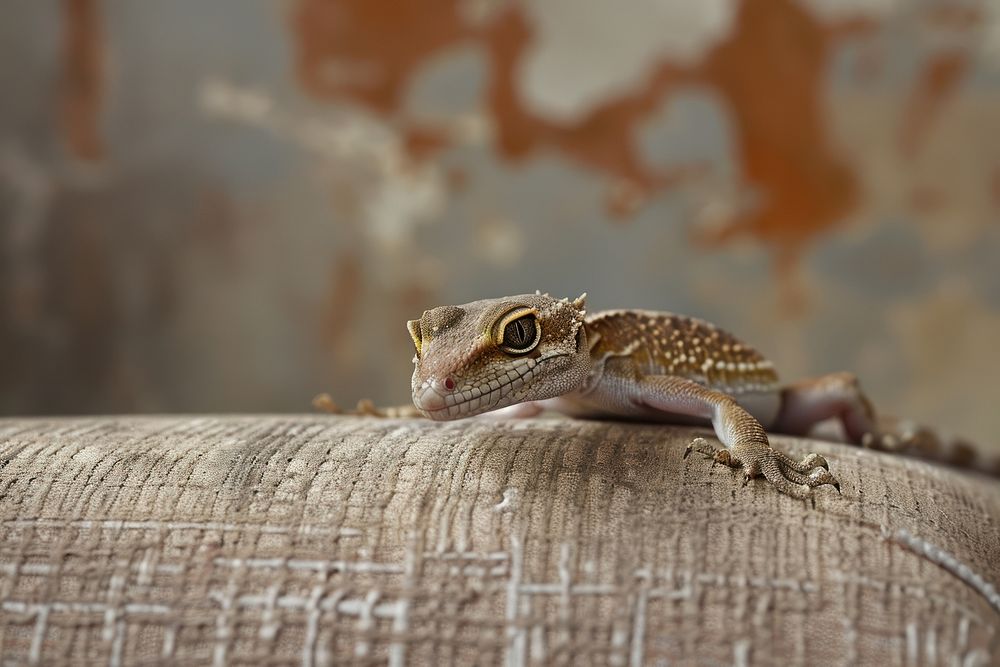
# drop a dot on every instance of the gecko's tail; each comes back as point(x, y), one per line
point(906, 437)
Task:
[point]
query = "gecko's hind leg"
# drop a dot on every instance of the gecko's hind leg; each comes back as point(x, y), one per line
point(809, 402)
point(806, 403)
point(838, 395)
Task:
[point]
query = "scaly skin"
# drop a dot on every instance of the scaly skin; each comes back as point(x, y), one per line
point(530, 352)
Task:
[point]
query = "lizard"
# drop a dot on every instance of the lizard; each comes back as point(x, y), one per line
point(520, 355)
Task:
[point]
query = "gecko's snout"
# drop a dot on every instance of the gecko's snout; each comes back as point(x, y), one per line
point(431, 396)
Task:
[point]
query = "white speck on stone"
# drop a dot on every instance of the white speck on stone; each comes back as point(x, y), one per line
point(509, 501)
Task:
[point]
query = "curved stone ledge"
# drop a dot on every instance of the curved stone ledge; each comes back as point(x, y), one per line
point(326, 540)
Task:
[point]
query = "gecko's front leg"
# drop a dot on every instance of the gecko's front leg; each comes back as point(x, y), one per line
point(746, 441)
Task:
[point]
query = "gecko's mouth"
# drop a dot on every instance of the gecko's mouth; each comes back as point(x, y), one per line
point(465, 403)
point(446, 413)
point(435, 405)
point(489, 393)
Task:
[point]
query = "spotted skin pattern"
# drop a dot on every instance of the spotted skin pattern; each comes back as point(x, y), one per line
point(638, 364)
point(683, 346)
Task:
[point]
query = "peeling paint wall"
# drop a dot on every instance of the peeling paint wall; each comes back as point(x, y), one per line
point(237, 205)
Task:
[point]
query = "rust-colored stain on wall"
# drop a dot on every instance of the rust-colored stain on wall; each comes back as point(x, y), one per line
point(83, 78)
point(771, 70)
point(421, 142)
point(367, 50)
point(605, 139)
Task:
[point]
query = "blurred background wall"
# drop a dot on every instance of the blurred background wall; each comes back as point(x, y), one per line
point(233, 205)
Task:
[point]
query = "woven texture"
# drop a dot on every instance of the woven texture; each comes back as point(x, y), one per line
point(347, 540)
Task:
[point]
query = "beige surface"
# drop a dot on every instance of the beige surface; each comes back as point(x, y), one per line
point(327, 540)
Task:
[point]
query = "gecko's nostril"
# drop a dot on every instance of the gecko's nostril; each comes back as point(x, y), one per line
point(449, 384)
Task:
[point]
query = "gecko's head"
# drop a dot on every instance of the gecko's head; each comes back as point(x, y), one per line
point(493, 353)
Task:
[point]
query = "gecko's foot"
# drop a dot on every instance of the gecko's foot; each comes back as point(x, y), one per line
point(906, 437)
point(324, 403)
point(903, 436)
point(795, 478)
point(790, 476)
point(882, 441)
point(365, 407)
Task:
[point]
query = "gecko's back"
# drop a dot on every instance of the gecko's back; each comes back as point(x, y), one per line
point(660, 343)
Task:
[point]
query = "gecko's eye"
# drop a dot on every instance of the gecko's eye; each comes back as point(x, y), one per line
point(518, 332)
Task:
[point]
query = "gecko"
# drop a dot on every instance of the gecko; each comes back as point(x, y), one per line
point(524, 354)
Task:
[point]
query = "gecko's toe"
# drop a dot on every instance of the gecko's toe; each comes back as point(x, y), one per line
point(814, 461)
point(818, 476)
point(798, 478)
point(821, 478)
point(725, 458)
point(702, 446)
point(885, 442)
point(806, 465)
point(708, 452)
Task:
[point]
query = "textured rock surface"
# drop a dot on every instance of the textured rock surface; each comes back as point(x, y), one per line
point(327, 540)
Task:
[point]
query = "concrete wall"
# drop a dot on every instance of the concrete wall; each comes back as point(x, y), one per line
point(234, 205)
